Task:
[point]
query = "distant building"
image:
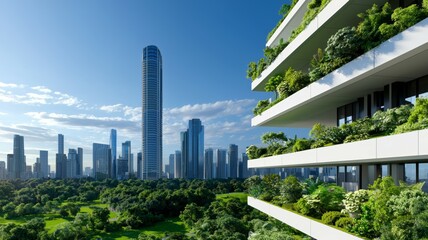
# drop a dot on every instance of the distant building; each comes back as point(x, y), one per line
point(243, 166)
point(88, 172)
point(233, 160)
point(152, 113)
point(61, 159)
point(28, 172)
point(44, 167)
point(177, 165)
point(3, 173)
point(122, 168)
point(171, 166)
point(37, 169)
point(72, 163)
point(139, 165)
point(113, 147)
point(220, 159)
point(126, 154)
point(19, 158)
point(208, 165)
point(193, 150)
point(60, 144)
point(10, 166)
point(79, 168)
point(101, 160)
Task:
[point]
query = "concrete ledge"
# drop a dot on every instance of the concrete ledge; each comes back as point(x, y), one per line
point(306, 225)
point(395, 148)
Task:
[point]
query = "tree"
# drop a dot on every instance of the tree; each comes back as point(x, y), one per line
point(99, 218)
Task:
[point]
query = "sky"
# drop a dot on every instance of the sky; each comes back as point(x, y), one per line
point(74, 67)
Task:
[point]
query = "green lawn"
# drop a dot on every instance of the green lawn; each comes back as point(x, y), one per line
point(159, 229)
point(227, 196)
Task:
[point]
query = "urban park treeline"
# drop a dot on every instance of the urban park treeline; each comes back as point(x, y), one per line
point(29, 208)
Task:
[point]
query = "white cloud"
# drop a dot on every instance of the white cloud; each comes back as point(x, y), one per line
point(112, 108)
point(42, 89)
point(11, 85)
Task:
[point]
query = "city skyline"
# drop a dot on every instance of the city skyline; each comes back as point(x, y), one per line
point(82, 77)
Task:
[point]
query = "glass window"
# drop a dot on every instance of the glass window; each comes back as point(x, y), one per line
point(423, 87)
point(385, 170)
point(352, 174)
point(423, 175)
point(340, 116)
point(410, 173)
point(341, 175)
point(410, 96)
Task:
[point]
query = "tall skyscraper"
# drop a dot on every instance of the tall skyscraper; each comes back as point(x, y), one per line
point(3, 173)
point(72, 163)
point(171, 166)
point(177, 165)
point(61, 159)
point(60, 144)
point(233, 160)
point(79, 169)
point(127, 155)
point(152, 113)
point(10, 166)
point(193, 150)
point(220, 159)
point(139, 165)
point(208, 166)
point(244, 173)
point(113, 144)
point(44, 167)
point(101, 160)
point(19, 157)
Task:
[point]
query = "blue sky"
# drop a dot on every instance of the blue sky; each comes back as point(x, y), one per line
point(74, 67)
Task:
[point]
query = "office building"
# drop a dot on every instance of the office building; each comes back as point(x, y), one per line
point(3, 173)
point(113, 147)
point(391, 74)
point(61, 159)
point(122, 168)
point(10, 166)
point(220, 159)
point(171, 166)
point(208, 163)
point(232, 155)
point(152, 113)
point(177, 165)
point(19, 162)
point(44, 167)
point(126, 154)
point(192, 149)
point(60, 144)
point(139, 165)
point(101, 160)
point(72, 163)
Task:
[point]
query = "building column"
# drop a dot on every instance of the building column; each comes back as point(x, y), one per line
point(397, 172)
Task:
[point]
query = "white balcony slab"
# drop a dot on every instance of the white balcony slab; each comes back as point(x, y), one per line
point(335, 15)
point(401, 58)
point(306, 225)
point(395, 148)
point(291, 22)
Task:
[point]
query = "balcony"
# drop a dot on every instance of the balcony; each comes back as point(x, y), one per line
point(291, 22)
point(337, 14)
point(395, 148)
point(306, 225)
point(401, 58)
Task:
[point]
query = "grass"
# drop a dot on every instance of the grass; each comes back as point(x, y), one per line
point(159, 229)
point(227, 196)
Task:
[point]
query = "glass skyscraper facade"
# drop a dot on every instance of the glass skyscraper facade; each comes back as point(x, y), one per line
point(151, 113)
point(19, 157)
point(192, 150)
point(113, 143)
point(101, 160)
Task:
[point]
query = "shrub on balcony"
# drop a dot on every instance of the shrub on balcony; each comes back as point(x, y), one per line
point(345, 223)
point(260, 107)
point(353, 202)
point(291, 190)
point(330, 218)
point(327, 197)
point(285, 9)
point(418, 118)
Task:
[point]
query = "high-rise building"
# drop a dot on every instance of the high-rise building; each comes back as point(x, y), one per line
point(36, 169)
point(60, 144)
point(3, 173)
point(113, 147)
point(184, 154)
point(139, 165)
point(208, 165)
point(79, 168)
point(19, 157)
point(101, 160)
point(233, 160)
point(177, 165)
point(171, 166)
point(127, 155)
point(152, 113)
point(220, 159)
point(122, 168)
point(195, 150)
point(243, 166)
point(44, 167)
point(61, 159)
point(10, 166)
point(72, 163)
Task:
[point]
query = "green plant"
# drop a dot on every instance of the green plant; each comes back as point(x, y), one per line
point(260, 107)
point(330, 218)
point(291, 190)
point(302, 144)
point(345, 44)
point(345, 223)
point(252, 70)
point(353, 201)
point(418, 118)
point(273, 83)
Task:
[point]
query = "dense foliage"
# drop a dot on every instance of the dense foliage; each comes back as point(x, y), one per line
point(385, 211)
point(377, 25)
point(392, 121)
